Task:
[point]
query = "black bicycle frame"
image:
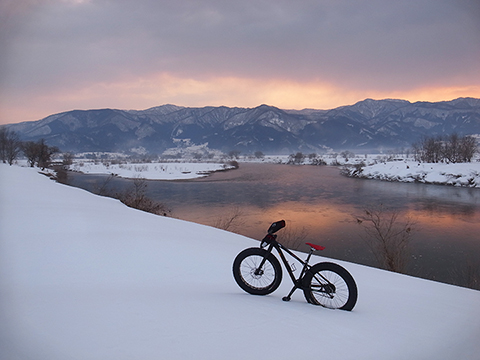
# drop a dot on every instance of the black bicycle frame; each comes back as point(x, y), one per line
point(270, 239)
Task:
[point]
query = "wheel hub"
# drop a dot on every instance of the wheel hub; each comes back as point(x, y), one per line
point(257, 273)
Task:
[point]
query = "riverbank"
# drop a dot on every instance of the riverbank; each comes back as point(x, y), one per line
point(461, 175)
point(151, 171)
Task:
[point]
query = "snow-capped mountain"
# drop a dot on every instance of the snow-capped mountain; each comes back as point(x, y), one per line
point(366, 125)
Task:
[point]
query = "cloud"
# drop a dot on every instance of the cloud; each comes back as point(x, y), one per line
point(70, 47)
point(163, 88)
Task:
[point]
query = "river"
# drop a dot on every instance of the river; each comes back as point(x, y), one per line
point(323, 206)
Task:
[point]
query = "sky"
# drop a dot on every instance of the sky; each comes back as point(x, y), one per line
point(60, 55)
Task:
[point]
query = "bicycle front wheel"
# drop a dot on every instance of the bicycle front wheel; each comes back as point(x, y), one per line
point(331, 286)
point(253, 279)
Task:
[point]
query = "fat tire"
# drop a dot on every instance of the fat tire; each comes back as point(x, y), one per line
point(345, 294)
point(245, 264)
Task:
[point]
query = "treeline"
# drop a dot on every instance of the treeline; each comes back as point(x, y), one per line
point(450, 149)
point(37, 153)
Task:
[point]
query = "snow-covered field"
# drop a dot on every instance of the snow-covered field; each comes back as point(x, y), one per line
point(464, 174)
point(85, 277)
point(153, 171)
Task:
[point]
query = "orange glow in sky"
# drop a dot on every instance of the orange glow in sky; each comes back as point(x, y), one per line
point(160, 89)
point(59, 55)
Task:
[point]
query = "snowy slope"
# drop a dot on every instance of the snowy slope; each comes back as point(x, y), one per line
point(461, 174)
point(84, 277)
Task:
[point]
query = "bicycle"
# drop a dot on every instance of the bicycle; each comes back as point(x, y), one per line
point(257, 271)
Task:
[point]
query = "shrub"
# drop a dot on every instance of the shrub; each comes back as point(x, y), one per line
point(387, 237)
point(231, 220)
point(135, 197)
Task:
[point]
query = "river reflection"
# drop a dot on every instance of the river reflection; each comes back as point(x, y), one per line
point(318, 200)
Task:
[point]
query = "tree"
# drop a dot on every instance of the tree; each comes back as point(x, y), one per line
point(452, 149)
point(45, 154)
point(3, 144)
point(297, 158)
point(39, 153)
point(30, 151)
point(234, 154)
point(68, 158)
point(468, 148)
point(259, 155)
point(387, 236)
point(429, 149)
point(10, 145)
point(347, 154)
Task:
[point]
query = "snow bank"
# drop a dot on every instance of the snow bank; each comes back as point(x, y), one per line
point(465, 174)
point(152, 171)
point(85, 277)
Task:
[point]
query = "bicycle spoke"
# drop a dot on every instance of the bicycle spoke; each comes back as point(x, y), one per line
point(255, 277)
point(329, 289)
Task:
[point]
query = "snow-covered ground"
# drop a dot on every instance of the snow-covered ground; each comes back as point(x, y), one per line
point(85, 277)
point(153, 171)
point(464, 174)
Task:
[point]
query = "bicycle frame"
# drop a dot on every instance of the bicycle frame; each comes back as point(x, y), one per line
point(271, 241)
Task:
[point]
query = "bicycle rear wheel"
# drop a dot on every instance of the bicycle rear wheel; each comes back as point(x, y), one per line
point(251, 278)
point(331, 286)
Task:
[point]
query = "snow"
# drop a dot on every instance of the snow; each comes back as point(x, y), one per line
point(85, 277)
point(152, 171)
point(461, 174)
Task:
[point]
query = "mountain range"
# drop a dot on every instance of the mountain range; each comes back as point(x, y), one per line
point(369, 125)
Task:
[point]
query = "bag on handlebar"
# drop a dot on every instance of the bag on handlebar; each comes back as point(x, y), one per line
point(276, 226)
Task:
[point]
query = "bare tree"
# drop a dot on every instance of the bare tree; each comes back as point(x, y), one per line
point(39, 153)
point(297, 158)
point(387, 236)
point(234, 154)
point(10, 145)
point(468, 148)
point(259, 155)
point(30, 151)
point(432, 151)
point(347, 154)
point(45, 154)
point(452, 149)
point(103, 190)
point(136, 197)
point(68, 158)
point(231, 220)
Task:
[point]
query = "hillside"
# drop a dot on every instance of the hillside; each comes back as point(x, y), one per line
point(369, 125)
point(84, 277)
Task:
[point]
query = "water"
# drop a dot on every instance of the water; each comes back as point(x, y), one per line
point(319, 202)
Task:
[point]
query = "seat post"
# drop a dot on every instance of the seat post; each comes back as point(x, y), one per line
point(309, 254)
